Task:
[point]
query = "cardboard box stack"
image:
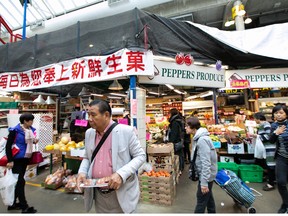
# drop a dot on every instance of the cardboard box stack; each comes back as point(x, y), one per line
point(159, 185)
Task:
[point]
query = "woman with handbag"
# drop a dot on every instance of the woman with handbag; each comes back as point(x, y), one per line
point(23, 135)
point(206, 164)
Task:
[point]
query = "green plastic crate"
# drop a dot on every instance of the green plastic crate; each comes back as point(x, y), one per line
point(251, 173)
point(228, 166)
point(73, 164)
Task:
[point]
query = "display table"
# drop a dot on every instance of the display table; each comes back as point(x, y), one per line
point(73, 159)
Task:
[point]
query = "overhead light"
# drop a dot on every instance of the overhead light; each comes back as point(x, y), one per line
point(118, 94)
point(192, 97)
point(50, 100)
point(229, 23)
point(114, 97)
point(97, 95)
point(84, 92)
point(169, 86)
point(115, 85)
point(248, 20)
point(206, 94)
point(39, 100)
point(154, 93)
point(68, 95)
point(177, 91)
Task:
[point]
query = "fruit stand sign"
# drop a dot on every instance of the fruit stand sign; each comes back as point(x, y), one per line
point(240, 83)
point(81, 122)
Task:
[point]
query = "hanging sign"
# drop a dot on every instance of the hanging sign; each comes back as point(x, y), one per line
point(185, 75)
point(81, 70)
point(239, 83)
point(257, 78)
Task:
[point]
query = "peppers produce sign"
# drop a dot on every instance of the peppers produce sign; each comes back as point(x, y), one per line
point(257, 78)
point(184, 75)
point(81, 70)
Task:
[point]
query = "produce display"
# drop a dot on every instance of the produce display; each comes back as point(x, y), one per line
point(62, 177)
point(64, 145)
point(153, 173)
point(55, 178)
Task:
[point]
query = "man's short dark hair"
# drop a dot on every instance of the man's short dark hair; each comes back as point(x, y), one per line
point(102, 105)
point(26, 117)
point(193, 123)
point(260, 116)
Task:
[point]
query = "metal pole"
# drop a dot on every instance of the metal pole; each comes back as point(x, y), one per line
point(24, 21)
point(215, 106)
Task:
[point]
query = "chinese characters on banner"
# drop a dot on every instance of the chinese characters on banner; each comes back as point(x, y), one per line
point(81, 70)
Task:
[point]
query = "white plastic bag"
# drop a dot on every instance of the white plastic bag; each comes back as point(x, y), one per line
point(260, 151)
point(7, 187)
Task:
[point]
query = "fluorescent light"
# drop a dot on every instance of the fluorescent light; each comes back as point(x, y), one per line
point(118, 94)
point(169, 86)
point(192, 97)
point(113, 97)
point(206, 94)
point(97, 95)
point(177, 91)
point(154, 93)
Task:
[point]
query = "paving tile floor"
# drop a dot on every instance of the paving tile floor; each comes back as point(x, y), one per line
point(58, 201)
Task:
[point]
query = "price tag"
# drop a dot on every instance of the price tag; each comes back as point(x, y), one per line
point(81, 122)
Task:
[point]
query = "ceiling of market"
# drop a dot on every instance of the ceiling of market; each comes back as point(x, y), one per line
point(213, 13)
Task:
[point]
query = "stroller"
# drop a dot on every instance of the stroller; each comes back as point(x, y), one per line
point(237, 189)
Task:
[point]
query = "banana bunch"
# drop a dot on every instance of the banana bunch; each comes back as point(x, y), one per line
point(214, 137)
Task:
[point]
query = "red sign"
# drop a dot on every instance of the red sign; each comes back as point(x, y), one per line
point(240, 84)
point(46, 118)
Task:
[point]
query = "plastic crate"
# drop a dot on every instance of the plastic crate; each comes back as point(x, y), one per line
point(228, 166)
point(73, 164)
point(251, 173)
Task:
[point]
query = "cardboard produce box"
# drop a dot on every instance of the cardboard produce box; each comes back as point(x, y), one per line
point(165, 148)
point(160, 159)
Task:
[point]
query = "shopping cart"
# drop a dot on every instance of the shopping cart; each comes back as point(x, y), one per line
point(237, 189)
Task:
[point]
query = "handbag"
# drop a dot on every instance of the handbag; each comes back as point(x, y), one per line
point(36, 157)
point(193, 174)
point(3, 157)
point(178, 146)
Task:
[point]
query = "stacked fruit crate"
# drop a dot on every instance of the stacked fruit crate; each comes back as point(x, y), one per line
point(159, 185)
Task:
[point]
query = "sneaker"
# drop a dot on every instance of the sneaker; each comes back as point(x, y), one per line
point(15, 206)
point(268, 187)
point(29, 210)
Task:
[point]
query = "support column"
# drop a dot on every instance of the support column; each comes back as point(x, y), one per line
point(132, 96)
point(239, 20)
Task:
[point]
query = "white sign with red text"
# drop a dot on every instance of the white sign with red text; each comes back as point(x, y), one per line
point(81, 70)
